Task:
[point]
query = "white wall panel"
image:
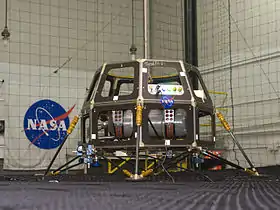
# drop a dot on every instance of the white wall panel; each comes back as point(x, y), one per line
point(44, 34)
point(255, 65)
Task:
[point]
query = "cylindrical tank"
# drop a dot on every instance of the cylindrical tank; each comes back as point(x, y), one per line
point(127, 123)
point(157, 120)
point(156, 117)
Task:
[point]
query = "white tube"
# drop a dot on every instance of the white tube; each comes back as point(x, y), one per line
point(146, 35)
point(133, 57)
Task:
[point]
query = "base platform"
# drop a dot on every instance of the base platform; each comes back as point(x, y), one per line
point(230, 189)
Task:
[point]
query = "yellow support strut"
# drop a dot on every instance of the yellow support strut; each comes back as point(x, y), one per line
point(111, 171)
point(227, 128)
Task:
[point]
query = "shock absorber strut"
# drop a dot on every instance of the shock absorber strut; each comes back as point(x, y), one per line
point(228, 129)
point(69, 131)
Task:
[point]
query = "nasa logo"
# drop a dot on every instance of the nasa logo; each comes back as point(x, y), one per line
point(167, 101)
point(46, 123)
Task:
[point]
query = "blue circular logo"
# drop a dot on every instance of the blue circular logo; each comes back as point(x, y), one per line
point(167, 101)
point(46, 123)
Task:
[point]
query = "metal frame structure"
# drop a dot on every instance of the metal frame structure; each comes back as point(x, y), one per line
point(132, 135)
point(95, 104)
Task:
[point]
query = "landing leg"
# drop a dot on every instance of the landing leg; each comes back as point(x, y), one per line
point(228, 129)
point(209, 154)
point(57, 171)
point(137, 156)
point(136, 176)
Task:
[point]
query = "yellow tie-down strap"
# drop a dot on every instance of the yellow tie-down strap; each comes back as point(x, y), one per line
point(181, 166)
point(113, 170)
point(147, 165)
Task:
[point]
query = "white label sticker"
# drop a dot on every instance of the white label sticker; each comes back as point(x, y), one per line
point(182, 74)
point(93, 136)
point(135, 134)
point(116, 98)
point(144, 70)
point(167, 142)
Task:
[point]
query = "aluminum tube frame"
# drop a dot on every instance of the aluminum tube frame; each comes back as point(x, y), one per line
point(146, 26)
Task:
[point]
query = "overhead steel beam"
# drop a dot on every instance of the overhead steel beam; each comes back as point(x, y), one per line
point(190, 42)
point(190, 33)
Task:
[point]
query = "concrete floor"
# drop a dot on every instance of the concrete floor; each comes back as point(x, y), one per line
point(121, 196)
point(229, 190)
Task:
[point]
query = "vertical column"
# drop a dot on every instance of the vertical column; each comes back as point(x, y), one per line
point(146, 28)
point(190, 29)
point(190, 39)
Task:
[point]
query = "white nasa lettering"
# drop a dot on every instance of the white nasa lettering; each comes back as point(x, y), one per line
point(31, 124)
point(53, 125)
point(44, 126)
point(62, 125)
